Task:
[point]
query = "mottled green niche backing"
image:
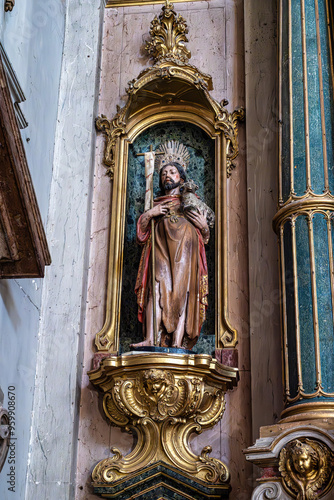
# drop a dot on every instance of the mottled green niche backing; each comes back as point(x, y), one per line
point(202, 170)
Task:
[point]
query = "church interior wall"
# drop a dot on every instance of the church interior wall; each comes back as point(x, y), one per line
point(217, 47)
point(62, 331)
point(72, 68)
point(32, 36)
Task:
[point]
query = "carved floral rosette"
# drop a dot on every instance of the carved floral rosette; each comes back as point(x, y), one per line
point(162, 399)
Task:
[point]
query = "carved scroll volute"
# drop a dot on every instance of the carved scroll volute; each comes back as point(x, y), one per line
point(233, 147)
point(112, 130)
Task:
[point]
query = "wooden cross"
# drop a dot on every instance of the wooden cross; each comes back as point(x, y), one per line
point(155, 329)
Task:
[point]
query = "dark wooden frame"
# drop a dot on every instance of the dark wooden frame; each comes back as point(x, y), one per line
point(24, 251)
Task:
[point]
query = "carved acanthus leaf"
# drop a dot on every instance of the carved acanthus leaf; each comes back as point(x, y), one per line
point(113, 129)
point(168, 36)
point(228, 123)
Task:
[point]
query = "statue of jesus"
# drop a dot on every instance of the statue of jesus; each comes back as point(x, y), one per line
point(181, 276)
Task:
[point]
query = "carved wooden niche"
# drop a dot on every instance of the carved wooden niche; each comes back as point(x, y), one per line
point(170, 95)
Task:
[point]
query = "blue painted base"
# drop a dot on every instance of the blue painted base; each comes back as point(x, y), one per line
point(319, 400)
point(161, 481)
point(171, 350)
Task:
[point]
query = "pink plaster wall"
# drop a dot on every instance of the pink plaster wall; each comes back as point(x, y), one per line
point(216, 43)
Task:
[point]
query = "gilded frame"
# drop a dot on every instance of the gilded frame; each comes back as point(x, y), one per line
point(167, 91)
point(330, 21)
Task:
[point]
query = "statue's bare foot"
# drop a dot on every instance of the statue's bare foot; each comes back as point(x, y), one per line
point(144, 343)
point(175, 344)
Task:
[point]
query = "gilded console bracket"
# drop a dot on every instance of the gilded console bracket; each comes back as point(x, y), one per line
point(162, 399)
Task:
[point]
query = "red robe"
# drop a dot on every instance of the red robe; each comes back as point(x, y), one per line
point(181, 271)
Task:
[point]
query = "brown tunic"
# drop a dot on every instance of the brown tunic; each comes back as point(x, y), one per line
point(177, 272)
point(181, 271)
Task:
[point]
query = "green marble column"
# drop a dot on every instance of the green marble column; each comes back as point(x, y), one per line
point(304, 221)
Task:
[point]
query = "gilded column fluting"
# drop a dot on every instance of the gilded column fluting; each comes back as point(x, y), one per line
point(304, 221)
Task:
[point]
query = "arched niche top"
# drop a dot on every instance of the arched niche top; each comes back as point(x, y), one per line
point(164, 115)
point(170, 90)
point(168, 85)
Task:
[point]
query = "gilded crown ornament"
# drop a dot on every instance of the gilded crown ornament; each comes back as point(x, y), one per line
point(173, 151)
point(168, 36)
point(307, 469)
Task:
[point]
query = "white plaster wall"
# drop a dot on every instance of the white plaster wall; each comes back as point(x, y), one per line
point(55, 418)
point(217, 46)
point(32, 35)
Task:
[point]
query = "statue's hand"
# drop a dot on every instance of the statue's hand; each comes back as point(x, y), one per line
point(198, 219)
point(156, 211)
point(159, 210)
